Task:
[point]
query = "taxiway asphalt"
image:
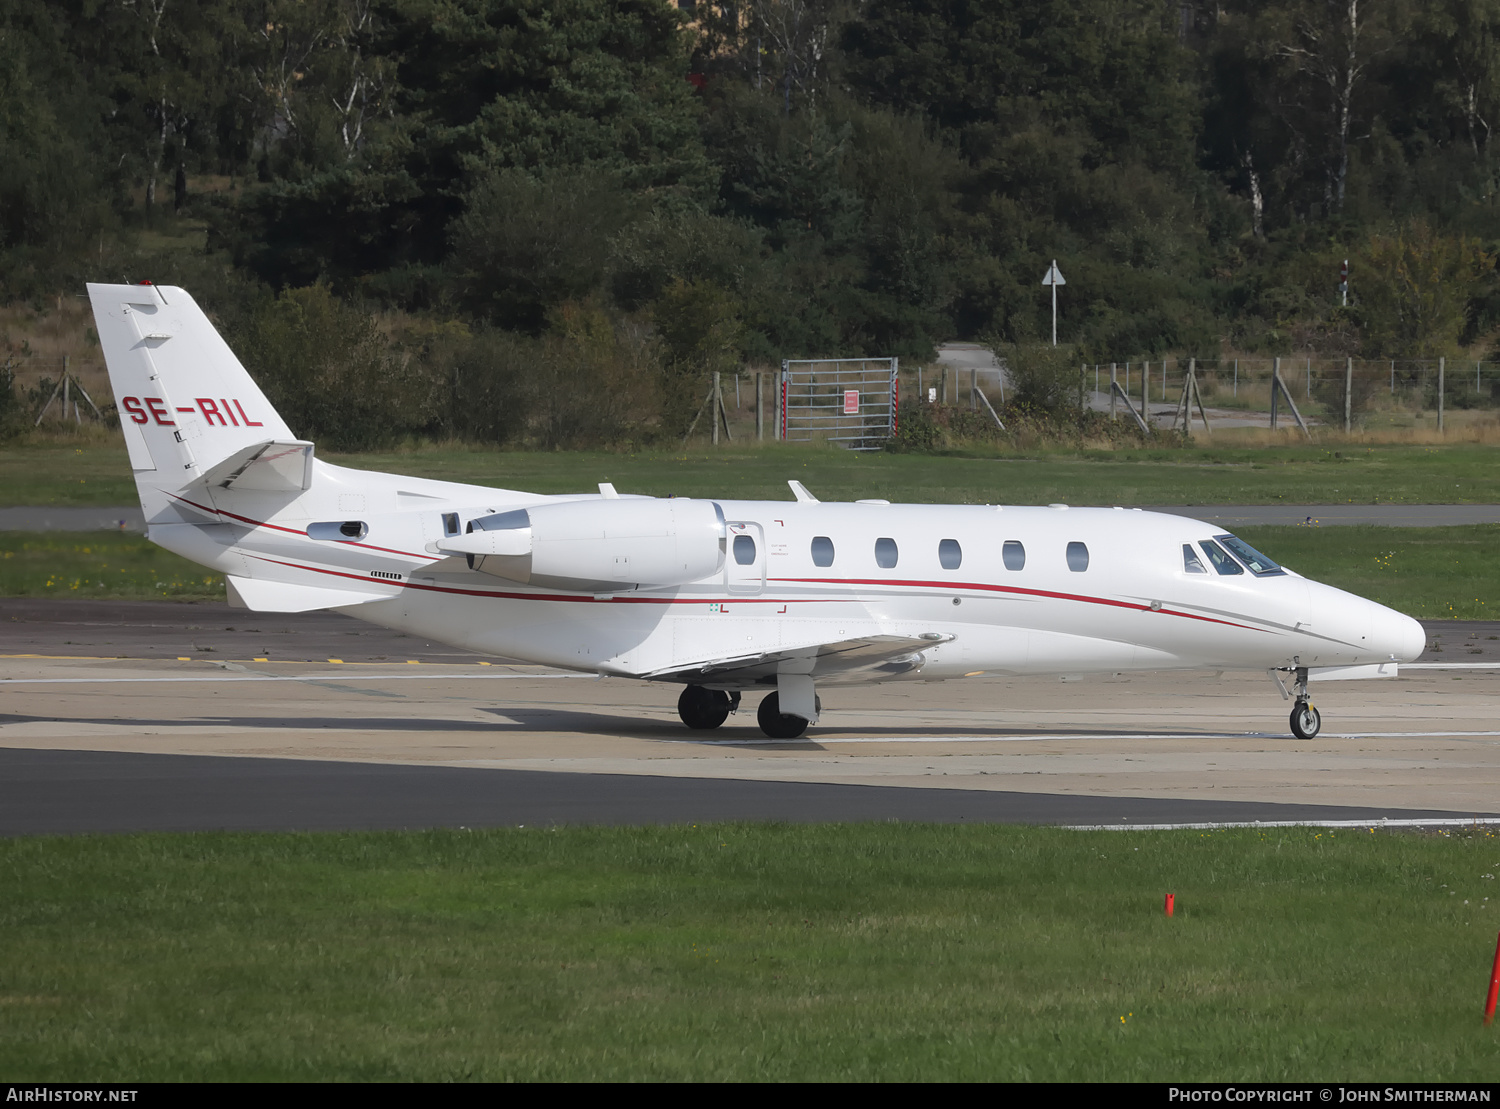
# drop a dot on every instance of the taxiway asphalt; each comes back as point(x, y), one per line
point(124, 715)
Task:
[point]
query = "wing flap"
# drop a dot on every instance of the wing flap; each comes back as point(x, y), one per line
point(894, 654)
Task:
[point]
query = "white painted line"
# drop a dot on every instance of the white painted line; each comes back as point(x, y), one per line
point(1448, 666)
point(1077, 735)
point(1381, 822)
point(336, 676)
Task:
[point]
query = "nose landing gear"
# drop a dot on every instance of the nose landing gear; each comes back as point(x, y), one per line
point(1305, 720)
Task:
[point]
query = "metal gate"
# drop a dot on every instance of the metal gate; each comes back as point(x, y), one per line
point(841, 400)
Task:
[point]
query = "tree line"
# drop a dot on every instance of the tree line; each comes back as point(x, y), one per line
point(549, 218)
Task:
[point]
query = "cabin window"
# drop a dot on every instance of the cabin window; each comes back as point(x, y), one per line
point(744, 550)
point(345, 531)
point(450, 523)
point(1078, 557)
point(950, 554)
point(1259, 564)
point(1014, 554)
point(822, 550)
point(885, 554)
point(1191, 562)
point(1221, 561)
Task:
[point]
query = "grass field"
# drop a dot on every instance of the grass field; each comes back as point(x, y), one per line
point(102, 565)
point(94, 471)
point(749, 952)
point(1430, 573)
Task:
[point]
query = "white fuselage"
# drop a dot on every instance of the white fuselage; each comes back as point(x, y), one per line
point(926, 571)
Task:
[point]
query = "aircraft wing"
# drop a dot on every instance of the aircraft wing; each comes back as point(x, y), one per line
point(837, 660)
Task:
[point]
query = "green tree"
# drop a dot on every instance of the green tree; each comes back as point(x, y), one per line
point(1415, 288)
point(332, 374)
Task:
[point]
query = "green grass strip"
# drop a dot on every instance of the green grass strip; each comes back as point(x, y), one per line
point(749, 952)
point(102, 565)
point(99, 474)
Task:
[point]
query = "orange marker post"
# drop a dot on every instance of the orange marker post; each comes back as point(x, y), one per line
point(1171, 897)
point(1489, 1004)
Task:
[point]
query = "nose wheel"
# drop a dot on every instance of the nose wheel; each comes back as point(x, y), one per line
point(1305, 720)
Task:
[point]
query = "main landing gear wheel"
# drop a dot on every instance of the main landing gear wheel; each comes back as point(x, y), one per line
point(1305, 720)
point(704, 708)
point(778, 724)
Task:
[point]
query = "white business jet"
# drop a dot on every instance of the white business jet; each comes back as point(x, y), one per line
point(721, 596)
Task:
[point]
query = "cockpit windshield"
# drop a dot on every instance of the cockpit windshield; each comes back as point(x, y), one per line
point(1221, 561)
point(1259, 564)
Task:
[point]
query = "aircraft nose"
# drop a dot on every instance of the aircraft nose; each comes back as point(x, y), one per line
point(1397, 635)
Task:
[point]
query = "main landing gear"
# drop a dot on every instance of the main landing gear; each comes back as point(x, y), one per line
point(1305, 719)
point(703, 709)
point(777, 724)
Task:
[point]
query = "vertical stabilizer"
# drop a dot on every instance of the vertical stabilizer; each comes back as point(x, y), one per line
point(186, 404)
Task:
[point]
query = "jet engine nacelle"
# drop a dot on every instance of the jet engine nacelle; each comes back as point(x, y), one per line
point(598, 545)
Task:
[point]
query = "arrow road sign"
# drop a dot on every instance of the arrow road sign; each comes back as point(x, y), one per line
point(1054, 278)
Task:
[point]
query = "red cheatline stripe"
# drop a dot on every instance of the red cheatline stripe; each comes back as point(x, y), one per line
point(985, 587)
point(732, 599)
point(294, 531)
point(909, 583)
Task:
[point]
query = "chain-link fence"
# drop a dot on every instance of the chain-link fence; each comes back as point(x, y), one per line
point(45, 389)
point(1340, 393)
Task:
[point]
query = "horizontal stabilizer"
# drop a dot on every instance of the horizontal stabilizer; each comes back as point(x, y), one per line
point(277, 466)
point(259, 595)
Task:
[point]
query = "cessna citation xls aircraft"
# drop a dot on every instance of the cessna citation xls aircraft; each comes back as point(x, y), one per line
point(722, 597)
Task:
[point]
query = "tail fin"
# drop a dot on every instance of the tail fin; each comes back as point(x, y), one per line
point(188, 408)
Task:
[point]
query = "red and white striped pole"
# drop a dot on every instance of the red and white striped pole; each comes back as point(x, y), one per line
point(1489, 1004)
point(1172, 898)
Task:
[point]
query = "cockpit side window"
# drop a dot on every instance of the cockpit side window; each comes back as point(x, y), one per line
point(1191, 562)
point(1220, 559)
point(1259, 564)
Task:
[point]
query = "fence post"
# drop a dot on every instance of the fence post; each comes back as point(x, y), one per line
point(1145, 391)
point(1113, 388)
point(1441, 367)
point(1275, 377)
point(714, 408)
point(945, 385)
point(778, 398)
point(1349, 390)
point(760, 407)
point(974, 388)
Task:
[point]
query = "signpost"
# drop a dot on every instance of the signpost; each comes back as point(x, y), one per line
point(1054, 278)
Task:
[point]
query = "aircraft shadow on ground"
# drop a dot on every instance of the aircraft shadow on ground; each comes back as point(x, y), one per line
point(734, 734)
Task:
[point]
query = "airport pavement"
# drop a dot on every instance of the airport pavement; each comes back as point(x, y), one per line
point(104, 727)
point(70, 792)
